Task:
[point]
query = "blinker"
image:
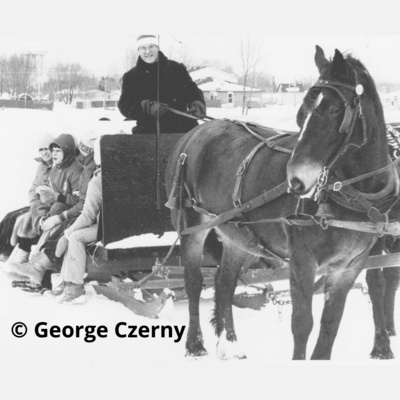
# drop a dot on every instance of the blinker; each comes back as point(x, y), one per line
point(348, 116)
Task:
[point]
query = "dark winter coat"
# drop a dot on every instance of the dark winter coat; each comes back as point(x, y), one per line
point(64, 178)
point(177, 90)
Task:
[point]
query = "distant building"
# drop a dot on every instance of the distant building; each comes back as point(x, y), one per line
point(290, 88)
point(289, 93)
point(201, 73)
point(222, 90)
point(391, 100)
point(97, 99)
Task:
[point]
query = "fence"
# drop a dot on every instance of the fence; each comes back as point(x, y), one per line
point(27, 104)
point(96, 104)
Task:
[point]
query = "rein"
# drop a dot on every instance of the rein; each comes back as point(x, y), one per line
point(381, 228)
point(187, 115)
point(339, 184)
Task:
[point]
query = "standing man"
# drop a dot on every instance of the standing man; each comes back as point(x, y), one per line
point(155, 84)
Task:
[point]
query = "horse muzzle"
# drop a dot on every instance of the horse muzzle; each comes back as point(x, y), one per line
point(302, 179)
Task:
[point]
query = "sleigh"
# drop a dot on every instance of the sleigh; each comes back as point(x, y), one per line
point(138, 259)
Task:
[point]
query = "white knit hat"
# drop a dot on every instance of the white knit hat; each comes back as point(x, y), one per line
point(86, 142)
point(86, 146)
point(146, 39)
point(44, 140)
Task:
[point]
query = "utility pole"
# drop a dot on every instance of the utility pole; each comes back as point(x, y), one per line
point(105, 93)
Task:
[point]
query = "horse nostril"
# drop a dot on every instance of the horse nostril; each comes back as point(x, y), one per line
point(296, 186)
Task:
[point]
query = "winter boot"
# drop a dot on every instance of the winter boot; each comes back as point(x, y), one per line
point(58, 291)
point(17, 257)
point(73, 294)
point(35, 268)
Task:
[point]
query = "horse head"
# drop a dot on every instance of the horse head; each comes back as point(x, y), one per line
point(341, 125)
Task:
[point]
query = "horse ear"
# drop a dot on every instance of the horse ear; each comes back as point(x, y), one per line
point(338, 64)
point(320, 59)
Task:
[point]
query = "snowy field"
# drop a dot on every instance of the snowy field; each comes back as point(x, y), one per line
point(152, 364)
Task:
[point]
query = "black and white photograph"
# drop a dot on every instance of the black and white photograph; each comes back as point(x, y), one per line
point(203, 198)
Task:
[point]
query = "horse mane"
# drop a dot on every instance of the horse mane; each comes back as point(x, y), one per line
point(365, 79)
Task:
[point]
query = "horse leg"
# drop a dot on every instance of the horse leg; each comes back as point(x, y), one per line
point(376, 289)
point(392, 278)
point(192, 253)
point(337, 287)
point(225, 285)
point(301, 290)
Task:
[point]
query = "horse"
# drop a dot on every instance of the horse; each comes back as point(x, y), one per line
point(343, 136)
point(238, 218)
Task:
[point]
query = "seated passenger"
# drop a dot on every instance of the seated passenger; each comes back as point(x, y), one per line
point(54, 226)
point(75, 239)
point(20, 252)
point(54, 198)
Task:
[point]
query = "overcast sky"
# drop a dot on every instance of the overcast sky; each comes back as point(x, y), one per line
point(98, 34)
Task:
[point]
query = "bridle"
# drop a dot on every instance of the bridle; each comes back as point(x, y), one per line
point(341, 191)
point(353, 112)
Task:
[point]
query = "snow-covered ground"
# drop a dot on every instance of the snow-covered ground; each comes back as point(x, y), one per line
point(264, 336)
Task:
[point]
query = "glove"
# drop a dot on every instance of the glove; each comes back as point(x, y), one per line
point(47, 196)
point(151, 107)
point(51, 222)
point(197, 109)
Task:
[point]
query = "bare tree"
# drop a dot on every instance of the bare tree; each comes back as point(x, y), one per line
point(19, 71)
point(3, 71)
point(65, 79)
point(130, 58)
point(250, 55)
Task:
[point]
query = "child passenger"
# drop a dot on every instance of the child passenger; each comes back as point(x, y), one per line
point(75, 239)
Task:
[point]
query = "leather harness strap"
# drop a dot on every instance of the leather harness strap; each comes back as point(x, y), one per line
point(338, 184)
point(240, 174)
point(264, 198)
point(270, 142)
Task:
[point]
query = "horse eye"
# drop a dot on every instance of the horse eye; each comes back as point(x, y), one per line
point(334, 110)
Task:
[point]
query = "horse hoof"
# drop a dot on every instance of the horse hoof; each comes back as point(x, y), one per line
point(227, 350)
point(196, 350)
point(382, 354)
point(197, 354)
